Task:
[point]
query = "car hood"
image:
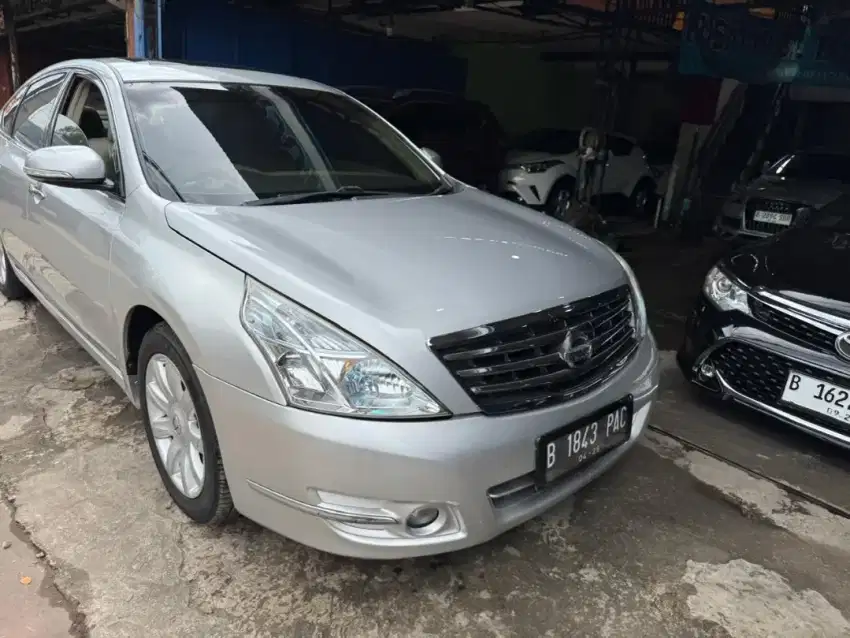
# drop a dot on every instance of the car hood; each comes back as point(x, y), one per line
point(525, 157)
point(430, 265)
point(805, 263)
point(816, 193)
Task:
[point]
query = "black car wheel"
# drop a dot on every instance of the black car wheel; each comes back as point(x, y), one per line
point(180, 429)
point(560, 198)
point(642, 201)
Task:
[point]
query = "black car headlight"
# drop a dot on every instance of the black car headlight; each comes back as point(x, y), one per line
point(724, 292)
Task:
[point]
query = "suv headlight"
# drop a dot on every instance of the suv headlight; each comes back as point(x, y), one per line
point(539, 167)
point(724, 292)
point(323, 369)
point(638, 304)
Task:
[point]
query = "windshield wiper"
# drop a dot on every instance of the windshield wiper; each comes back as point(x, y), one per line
point(443, 189)
point(343, 192)
point(150, 162)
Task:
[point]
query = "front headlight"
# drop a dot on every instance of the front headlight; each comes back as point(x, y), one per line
point(540, 167)
point(323, 369)
point(725, 293)
point(639, 305)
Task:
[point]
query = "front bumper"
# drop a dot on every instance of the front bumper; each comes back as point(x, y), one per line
point(741, 358)
point(530, 189)
point(341, 485)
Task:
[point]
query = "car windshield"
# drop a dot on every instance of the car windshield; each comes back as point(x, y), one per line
point(230, 144)
point(813, 166)
point(446, 119)
point(835, 216)
point(548, 141)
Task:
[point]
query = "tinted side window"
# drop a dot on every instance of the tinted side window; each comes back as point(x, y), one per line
point(34, 113)
point(8, 115)
point(619, 145)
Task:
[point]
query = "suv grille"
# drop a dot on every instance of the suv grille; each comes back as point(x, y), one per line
point(770, 205)
point(801, 331)
point(543, 358)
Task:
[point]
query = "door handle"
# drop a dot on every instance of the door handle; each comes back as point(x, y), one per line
point(36, 192)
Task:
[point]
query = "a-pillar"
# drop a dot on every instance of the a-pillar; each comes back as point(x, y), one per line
point(134, 28)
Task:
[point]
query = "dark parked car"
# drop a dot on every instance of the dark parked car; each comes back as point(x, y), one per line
point(772, 202)
point(771, 329)
point(465, 133)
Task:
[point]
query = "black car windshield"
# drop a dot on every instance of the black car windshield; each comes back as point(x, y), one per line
point(547, 140)
point(813, 166)
point(835, 216)
point(230, 144)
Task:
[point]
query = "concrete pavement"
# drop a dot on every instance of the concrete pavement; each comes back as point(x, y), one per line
point(673, 542)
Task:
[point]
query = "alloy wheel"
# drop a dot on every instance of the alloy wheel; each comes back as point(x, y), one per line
point(174, 424)
point(563, 202)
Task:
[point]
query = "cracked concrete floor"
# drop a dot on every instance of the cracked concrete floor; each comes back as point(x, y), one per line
point(674, 542)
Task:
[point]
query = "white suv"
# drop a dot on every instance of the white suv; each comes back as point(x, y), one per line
point(546, 178)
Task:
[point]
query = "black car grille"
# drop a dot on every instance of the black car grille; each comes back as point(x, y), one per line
point(520, 364)
point(771, 205)
point(761, 375)
point(795, 329)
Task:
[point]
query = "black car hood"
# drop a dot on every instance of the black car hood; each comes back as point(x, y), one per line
point(806, 263)
point(814, 193)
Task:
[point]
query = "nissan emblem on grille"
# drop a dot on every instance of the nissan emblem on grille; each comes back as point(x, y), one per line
point(576, 349)
point(842, 346)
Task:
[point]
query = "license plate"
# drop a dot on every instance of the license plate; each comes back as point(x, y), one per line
point(818, 396)
point(572, 446)
point(783, 219)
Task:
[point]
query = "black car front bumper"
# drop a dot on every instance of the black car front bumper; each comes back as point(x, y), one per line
point(748, 359)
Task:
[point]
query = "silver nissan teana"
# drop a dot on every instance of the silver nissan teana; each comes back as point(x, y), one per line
point(322, 329)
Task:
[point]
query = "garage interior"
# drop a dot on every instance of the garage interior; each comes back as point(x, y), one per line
point(540, 65)
point(542, 69)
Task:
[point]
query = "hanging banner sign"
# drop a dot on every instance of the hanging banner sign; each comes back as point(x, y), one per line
point(731, 41)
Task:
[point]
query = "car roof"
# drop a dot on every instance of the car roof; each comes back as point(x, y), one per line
point(138, 70)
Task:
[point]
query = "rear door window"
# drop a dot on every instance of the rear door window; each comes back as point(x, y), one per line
point(34, 113)
point(7, 117)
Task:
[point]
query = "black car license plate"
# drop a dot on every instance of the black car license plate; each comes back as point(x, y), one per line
point(568, 448)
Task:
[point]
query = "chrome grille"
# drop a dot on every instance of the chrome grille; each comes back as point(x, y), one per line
point(771, 205)
point(523, 363)
point(788, 325)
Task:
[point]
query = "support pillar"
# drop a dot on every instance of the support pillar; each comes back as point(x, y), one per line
point(11, 36)
point(134, 28)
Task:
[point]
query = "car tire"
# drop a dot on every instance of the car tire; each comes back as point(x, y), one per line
point(10, 286)
point(641, 203)
point(172, 399)
point(560, 198)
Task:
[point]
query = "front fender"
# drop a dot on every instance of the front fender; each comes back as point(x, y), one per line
point(197, 294)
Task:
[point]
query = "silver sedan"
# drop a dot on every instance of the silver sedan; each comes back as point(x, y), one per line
point(322, 329)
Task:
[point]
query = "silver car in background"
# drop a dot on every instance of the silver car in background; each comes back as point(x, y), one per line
point(323, 330)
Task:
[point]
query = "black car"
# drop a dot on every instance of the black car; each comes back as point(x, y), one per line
point(771, 328)
point(465, 133)
point(772, 202)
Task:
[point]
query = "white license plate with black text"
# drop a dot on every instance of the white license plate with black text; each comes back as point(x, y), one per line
point(574, 445)
point(783, 219)
point(818, 396)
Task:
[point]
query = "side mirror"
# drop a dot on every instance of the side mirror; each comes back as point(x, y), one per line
point(803, 216)
point(765, 168)
point(69, 166)
point(434, 156)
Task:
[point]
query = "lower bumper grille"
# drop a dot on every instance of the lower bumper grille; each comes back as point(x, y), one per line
point(761, 375)
point(544, 358)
